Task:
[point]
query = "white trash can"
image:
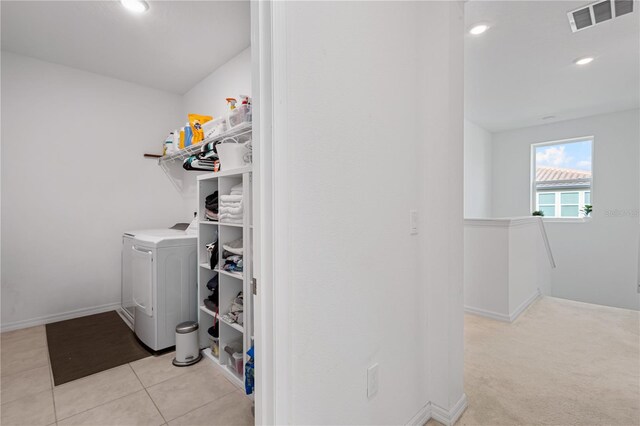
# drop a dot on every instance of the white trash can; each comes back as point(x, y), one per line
point(187, 348)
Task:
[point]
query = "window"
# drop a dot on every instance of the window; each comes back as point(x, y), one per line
point(562, 177)
point(569, 204)
point(547, 203)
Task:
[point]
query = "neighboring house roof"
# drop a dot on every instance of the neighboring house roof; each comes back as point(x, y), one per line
point(556, 177)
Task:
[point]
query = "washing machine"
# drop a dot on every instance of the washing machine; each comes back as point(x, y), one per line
point(159, 283)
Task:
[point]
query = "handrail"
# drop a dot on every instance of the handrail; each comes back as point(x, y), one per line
point(543, 231)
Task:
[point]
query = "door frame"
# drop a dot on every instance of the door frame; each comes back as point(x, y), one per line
point(271, 215)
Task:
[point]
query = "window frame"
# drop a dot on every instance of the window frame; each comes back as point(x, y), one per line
point(532, 178)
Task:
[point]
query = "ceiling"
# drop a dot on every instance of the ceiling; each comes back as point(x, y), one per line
point(171, 47)
point(522, 69)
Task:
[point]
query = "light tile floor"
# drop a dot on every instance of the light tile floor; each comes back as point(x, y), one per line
point(150, 391)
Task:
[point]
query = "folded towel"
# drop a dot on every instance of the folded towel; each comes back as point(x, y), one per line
point(231, 210)
point(237, 187)
point(228, 219)
point(211, 215)
point(231, 215)
point(232, 198)
point(211, 202)
point(230, 203)
point(231, 206)
point(234, 246)
point(232, 222)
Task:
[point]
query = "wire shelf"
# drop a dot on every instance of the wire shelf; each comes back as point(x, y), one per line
point(169, 162)
point(188, 151)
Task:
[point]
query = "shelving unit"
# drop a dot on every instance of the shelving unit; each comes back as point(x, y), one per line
point(229, 283)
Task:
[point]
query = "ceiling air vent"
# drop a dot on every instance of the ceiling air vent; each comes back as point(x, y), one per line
point(596, 13)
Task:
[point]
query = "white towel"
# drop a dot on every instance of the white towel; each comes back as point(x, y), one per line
point(231, 210)
point(234, 221)
point(230, 216)
point(232, 198)
point(237, 188)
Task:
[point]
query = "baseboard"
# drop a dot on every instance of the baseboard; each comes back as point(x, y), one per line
point(502, 317)
point(421, 417)
point(488, 314)
point(449, 417)
point(524, 305)
point(434, 411)
point(58, 317)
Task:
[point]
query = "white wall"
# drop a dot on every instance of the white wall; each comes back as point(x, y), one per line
point(73, 180)
point(97, 186)
point(228, 81)
point(356, 164)
point(486, 269)
point(596, 260)
point(208, 98)
point(441, 168)
point(507, 265)
point(477, 171)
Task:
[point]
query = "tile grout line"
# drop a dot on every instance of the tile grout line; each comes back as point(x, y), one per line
point(148, 394)
point(162, 381)
point(181, 374)
point(200, 406)
point(51, 381)
point(104, 403)
point(187, 372)
point(8, 376)
point(46, 346)
point(99, 405)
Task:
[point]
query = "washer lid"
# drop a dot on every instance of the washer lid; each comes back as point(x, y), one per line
point(163, 237)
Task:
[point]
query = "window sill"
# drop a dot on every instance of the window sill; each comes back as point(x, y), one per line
point(567, 219)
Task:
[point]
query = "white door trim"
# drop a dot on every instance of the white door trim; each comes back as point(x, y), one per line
point(271, 224)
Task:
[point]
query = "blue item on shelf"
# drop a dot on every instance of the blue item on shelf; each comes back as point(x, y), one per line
point(188, 136)
point(249, 383)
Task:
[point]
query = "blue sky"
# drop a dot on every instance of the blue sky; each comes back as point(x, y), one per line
point(575, 155)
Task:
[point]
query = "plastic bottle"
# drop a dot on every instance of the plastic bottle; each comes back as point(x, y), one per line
point(168, 144)
point(188, 135)
point(181, 143)
point(176, 139)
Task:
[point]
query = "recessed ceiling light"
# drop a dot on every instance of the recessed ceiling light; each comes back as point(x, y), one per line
point(478, 29)
point(583, 61)
point(136, 6)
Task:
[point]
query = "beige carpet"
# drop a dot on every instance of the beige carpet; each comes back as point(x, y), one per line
point(560, 363)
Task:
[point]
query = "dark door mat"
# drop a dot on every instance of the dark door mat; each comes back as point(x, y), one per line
point(83, 346)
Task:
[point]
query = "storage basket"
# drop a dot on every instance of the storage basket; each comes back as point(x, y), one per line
point(232, 153)
point(239, 115)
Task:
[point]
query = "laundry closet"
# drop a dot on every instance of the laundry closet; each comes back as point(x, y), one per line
point(141, 212)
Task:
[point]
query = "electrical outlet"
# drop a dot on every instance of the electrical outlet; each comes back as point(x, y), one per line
point(413, 222)
point(638, 286)
point(372, 380)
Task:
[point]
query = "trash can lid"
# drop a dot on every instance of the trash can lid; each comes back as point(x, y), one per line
point(186, 327)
